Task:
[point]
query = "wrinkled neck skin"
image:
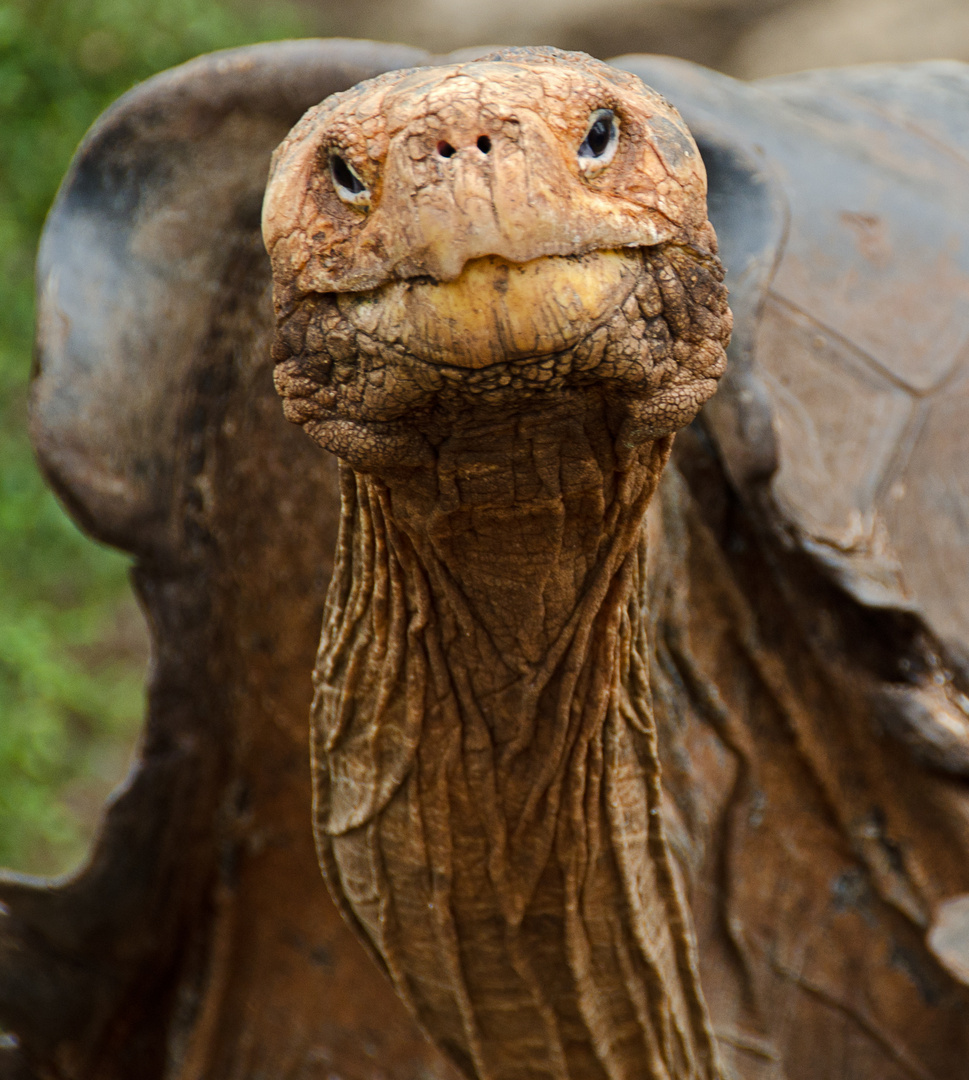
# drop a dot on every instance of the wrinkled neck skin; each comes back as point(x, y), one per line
point(488, 789)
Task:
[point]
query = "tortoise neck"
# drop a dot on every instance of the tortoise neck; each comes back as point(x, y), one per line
point(524, 532)
point(488, 798)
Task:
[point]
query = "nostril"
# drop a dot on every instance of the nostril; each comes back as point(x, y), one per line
point(484, 144)
point(445, 149)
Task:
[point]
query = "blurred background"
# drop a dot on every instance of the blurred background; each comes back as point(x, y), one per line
point(73, 649)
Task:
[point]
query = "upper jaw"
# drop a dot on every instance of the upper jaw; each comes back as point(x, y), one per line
point(527, 197)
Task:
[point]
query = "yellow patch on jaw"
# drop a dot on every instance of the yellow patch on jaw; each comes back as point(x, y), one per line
point(497, 310)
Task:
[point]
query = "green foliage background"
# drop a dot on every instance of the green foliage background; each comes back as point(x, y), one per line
point(71, 642)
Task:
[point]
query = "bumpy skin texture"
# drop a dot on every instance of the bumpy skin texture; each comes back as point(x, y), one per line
point(499, 340)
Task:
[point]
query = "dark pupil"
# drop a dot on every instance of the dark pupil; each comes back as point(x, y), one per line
point(344, 175)
point(597, 139)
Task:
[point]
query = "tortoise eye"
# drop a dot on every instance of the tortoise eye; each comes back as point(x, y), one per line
point(601, 138)
point(347, 183)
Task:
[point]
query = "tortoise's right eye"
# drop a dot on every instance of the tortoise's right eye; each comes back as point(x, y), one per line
point(599, 145)
point(347, 183)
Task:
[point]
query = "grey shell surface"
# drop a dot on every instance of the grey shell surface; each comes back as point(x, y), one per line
point(841, 199)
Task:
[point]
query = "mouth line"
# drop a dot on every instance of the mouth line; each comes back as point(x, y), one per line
point(424, 279)
point(576, 255)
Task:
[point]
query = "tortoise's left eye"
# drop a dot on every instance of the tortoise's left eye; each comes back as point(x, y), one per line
point(601, 138)
point(347, 183)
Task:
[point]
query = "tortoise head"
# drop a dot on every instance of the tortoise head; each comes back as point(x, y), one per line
point(490, 232)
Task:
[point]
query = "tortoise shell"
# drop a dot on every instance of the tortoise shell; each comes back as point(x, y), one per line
point(840, 199)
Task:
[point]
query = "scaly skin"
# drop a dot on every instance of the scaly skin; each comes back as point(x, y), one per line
point(499, 344)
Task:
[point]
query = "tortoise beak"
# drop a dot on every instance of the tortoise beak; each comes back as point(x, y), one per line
point(497, 311)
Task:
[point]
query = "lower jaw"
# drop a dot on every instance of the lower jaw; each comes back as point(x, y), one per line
point(380, 378)
point(498, 311)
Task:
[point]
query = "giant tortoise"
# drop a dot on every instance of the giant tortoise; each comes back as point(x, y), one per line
point(620, 770)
